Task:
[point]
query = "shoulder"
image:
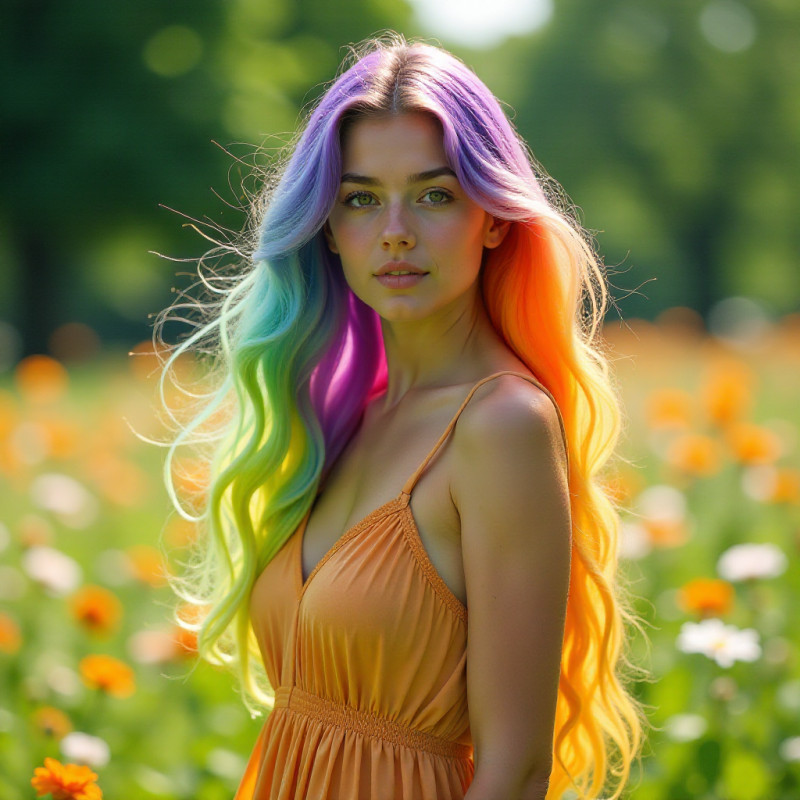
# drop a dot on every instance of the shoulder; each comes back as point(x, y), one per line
point(511, 420)
point(510, 488)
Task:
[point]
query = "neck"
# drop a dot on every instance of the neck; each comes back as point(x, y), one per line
point(450, 347)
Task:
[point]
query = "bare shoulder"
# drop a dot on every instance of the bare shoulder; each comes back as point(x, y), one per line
point(511, 421)
point(509, 485)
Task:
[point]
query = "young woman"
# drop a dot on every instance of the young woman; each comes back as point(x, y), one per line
point(405, 519)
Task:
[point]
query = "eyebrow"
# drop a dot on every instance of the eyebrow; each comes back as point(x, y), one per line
point(365, 180)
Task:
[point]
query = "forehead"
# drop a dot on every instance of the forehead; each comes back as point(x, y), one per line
point(401, 144)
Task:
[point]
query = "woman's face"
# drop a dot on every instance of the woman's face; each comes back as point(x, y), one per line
point(401, 208)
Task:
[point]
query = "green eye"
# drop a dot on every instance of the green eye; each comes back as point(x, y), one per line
point(359, 199)
point(437, 196)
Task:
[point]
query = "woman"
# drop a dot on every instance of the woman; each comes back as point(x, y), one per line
point(410, 364)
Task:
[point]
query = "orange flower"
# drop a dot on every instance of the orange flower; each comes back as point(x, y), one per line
point(708, 597)
point(787, 487)
point(161, 646)
point(180, 532)
point(190, 614)
point(623, 485)
point(9, 414)
point(185, 640)
point(65, 781)
point(666, 532)
point(62, 437)
point(752, 444)
point(727, 394)
point(108, 674)
point(10, 636)
point(695, 454)
point(52, 722)
point(41, 379)
point(147, 565)
point(669, 408)
point(144, 360)
point(97, 609)
point(682, 323)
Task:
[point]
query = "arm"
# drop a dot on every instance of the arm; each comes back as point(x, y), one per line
point(510, 487)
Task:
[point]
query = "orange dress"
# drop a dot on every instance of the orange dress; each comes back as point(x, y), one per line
point(369, 660)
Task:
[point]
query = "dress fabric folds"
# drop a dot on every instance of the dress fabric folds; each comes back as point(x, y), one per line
point(368, 657)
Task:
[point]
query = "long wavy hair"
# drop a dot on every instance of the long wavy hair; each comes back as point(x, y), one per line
point(296, 357)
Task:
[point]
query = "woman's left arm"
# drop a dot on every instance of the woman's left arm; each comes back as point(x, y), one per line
point(511, 490)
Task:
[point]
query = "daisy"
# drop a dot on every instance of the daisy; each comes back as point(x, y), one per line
point(56, 572)
point(723, 643)
point(748, 561)
point(85, 749)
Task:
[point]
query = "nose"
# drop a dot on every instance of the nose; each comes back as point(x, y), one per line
point(397, 231)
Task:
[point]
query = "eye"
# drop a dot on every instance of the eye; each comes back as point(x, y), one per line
point(438, 197)
point(359, 200)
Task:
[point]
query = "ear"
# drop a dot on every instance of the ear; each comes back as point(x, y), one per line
point(326, 229)
point(496, 232)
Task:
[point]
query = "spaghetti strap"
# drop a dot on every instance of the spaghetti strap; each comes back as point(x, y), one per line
point(412, 481)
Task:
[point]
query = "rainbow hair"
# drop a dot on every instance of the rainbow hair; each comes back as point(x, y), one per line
point(298, 357)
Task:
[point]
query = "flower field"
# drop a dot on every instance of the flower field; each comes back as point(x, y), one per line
point(101, 695)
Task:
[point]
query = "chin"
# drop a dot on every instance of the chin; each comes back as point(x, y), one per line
point(402, 309)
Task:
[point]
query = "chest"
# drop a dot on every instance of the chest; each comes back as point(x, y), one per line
point(372, 471)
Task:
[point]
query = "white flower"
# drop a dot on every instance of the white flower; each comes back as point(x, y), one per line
point(759, 481)
point(724, 643)
point(81, 748)
point(685, 727)
point(789, 749)
point(55, 571)
point(662, 503)
point(152, 647)
point(744, 561)
point(634, 541)
point(64, 680)
point(66, 498)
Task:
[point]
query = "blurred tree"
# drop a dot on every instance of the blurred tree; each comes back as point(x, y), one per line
point(105, 113)
point(111, 109)
point(674, 126)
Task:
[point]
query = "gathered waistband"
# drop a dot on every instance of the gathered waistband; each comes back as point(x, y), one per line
point(352, 719)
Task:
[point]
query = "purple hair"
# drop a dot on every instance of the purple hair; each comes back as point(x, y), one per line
point(482, 148)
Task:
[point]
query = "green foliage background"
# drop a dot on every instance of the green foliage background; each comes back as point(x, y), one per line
point(680, 154)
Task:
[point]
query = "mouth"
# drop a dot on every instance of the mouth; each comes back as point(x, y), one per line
point(399, 268)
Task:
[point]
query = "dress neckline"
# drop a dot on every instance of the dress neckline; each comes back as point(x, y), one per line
point(402, 500)
point(395, 504)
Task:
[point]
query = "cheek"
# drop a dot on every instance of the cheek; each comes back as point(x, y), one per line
point(350, 239)
point(462, 236)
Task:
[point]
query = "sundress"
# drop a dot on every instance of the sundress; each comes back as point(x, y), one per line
point(369, 660)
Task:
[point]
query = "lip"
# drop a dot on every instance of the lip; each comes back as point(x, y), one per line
point(404, 266)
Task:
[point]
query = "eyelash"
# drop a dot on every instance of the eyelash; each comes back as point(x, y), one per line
point(447, 198)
